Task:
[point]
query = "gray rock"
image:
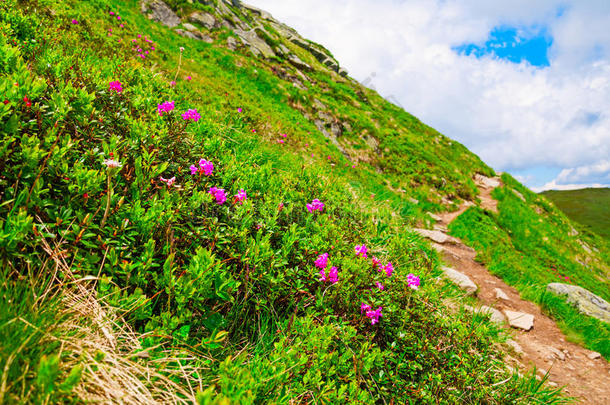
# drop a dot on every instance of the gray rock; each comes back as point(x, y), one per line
point(198, 35)
point(205, 19)
point(342, 72)
point(436, 236)
point(557, 353)
point(460, 279)
point(518, 194)
point(433, 216)
point(501, 295)
point(594, 355)
point(495, 315)
point(157, 10)
point(520, 320)
point(231, 43)
point(487, 182)
point(257, 45)
point(190, 27)
point(515, 346)
point(584, 300)
point(297, 62)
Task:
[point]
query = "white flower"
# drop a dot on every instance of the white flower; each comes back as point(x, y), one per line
point(112, 164)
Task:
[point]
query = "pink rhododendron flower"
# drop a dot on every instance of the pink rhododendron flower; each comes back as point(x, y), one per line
point(322, 276)
point(112, 13)
point(379, 285)
point(364, 308)
point(165, 107)
point(280, 206)
point(191, 114)
point(239, 110)
point(169, 182)
point(333, 275)
point(388, 269)
point(118, 17)
point(322, 261)
point(115, 86)
point(376, 263)
point(219, 194)
point(413, 281)
point(206, 167)
point(172, 83)
point(188, 78)
point(360, 250)
point(241, 196)
point(374, 315)
point(74, 22)
point(316, 205)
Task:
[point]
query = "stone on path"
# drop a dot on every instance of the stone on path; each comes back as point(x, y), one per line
point(594, 355)
point(460, 279)
point(486, 182)
point(520, 320)
point(501, 295)
point(495, 315)
point(515, 346)
point(585, 301)
point(436, 236)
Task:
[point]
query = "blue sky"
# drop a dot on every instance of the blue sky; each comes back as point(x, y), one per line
point(524, 84)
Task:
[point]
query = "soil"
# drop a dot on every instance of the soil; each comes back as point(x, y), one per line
point(544, 345)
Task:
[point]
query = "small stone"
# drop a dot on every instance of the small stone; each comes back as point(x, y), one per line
point(594, 355)
point(462, 280)
point(501, 295)
point(515, 346)
point(557, 353)
point(520, 320)
point(436, 236)
point(552, 384)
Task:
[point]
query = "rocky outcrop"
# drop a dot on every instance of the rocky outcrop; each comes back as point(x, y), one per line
point(460, 279)
point(520, 320)
point(204, 19)
point(487, 182)
point(585, 301)
point(257, 45)
point(157, 10)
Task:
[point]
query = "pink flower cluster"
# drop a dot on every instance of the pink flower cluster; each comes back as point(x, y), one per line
point(241, 196)
point(205, 167)
point(389, 269)
point(413, 281)
point(360, 250)
point(316, 205)
point(322, 263)
point(372, 315)
point(165, 107)
point(115, 86)
point(191, 114)
point(219, 194)
point(140, 48)
point(169, 182)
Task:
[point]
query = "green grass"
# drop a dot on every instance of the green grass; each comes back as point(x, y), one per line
point(231, 288)
point(530, 244)
point(589, 206)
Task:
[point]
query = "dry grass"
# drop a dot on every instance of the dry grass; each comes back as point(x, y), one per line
point(115, 367)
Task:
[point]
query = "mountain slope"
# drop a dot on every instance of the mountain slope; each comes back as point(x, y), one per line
point(108, 131)
point(590, 207)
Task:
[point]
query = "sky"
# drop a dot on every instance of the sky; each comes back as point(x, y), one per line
point(525, 84)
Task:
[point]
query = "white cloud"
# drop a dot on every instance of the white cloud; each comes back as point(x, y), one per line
point(514, 116)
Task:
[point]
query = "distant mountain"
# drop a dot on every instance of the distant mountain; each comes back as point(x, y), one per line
point(589, 206)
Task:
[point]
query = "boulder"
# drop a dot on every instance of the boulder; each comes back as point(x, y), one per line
point(584, 300)
point(205, 19)
point(157, 10)
point(460, 279)
point(257, 45)
point(436, 236)
point(520, 320)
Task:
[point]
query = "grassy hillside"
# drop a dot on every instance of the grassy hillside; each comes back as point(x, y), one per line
point(589, 206)
point(132, 270)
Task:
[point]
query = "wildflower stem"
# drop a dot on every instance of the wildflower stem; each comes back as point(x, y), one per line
point(108, 197)
point(179, 65)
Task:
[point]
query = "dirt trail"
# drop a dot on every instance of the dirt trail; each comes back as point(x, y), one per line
point(544, 345)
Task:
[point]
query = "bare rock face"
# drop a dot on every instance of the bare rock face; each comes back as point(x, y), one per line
point(460, 279)
point(255, 43)
point(584, 300)
point(520, 320)
point(157, 10)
